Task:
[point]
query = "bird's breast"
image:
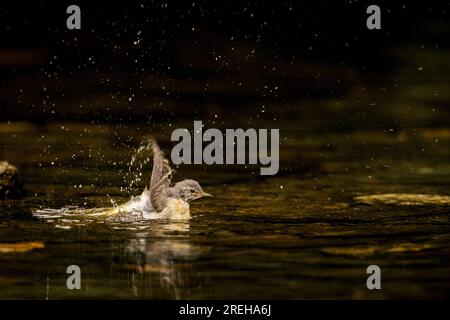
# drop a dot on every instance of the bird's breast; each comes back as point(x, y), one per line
point(176, 209)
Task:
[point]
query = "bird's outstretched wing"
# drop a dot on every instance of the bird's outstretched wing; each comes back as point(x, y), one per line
point(161, 176)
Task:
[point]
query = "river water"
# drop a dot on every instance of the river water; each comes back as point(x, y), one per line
point(299, 234)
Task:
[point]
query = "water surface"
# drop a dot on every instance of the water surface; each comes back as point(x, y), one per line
point(299, 234)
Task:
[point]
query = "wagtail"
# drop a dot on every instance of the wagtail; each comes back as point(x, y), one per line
point(160, 199)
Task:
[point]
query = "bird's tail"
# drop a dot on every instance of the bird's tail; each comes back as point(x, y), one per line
point(161, 168)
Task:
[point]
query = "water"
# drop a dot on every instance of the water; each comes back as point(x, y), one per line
point(300, 234)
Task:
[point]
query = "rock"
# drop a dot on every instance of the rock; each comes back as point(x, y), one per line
point(404, 199)
point(10, 182)
point(20, 247)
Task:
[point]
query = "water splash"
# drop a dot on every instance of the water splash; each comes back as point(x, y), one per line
point(113, 202)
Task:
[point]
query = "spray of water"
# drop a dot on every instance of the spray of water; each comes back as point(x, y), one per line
point(133, 181)
point(113, 202)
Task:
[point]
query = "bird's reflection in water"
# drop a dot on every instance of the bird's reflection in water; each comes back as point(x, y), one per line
point(162, 258)
point(147, 259)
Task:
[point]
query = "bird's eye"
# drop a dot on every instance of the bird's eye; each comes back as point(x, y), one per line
point(192, 190)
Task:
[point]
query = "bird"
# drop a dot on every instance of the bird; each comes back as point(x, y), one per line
point(160, 199)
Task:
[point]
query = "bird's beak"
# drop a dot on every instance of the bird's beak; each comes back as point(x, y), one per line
point(204, 194)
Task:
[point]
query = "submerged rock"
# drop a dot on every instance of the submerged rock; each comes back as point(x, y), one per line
point(404, 199)
point(20, 247)
point(10, 182)
point(366, 251)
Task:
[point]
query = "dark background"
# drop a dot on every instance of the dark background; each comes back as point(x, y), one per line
point(147, 61)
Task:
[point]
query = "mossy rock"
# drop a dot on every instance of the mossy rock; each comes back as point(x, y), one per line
point(10, 183)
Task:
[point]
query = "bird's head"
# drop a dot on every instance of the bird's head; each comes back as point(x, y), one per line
point(190, 190)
